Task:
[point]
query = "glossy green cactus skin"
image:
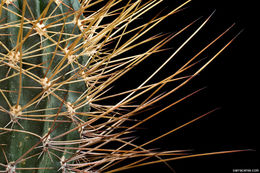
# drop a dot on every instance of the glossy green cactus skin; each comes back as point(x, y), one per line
point(40, 59)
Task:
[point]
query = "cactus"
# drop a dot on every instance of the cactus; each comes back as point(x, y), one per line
point(35, 85)
point(56, 64)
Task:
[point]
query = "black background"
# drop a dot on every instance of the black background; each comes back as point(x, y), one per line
point(229, 82)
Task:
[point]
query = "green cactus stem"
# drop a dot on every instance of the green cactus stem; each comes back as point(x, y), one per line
point(35, 83)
